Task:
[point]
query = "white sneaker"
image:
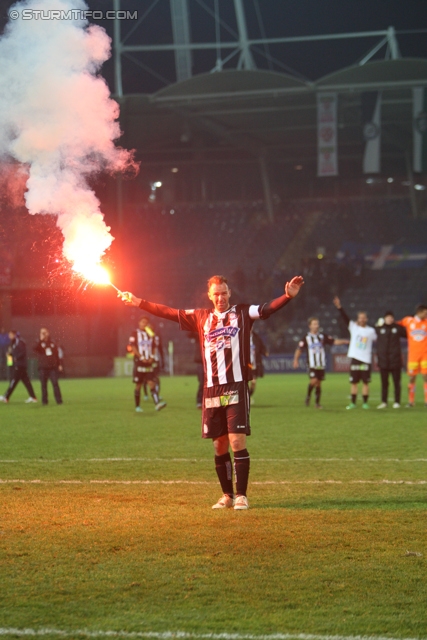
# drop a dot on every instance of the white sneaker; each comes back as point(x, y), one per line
point(383, 405)
point(224, 503)
point(160, 406)
point(396, 405)
point(241, 502)
point(145, 398)
point(30, 400)
point(139, 410)
point(3, 399)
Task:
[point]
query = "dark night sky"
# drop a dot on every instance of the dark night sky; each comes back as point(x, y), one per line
point(280, 18)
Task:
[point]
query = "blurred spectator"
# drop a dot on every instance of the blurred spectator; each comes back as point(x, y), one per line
point(4, 345)
point(258, 349)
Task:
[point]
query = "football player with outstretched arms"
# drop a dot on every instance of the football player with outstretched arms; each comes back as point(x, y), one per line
point(224, 333)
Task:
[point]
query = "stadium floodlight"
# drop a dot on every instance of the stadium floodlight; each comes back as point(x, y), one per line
point(157, 184)
point(419, 187)
point(390, 180)
point(174, 169)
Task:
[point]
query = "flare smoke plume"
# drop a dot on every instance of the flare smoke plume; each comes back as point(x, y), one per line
point(57, 119)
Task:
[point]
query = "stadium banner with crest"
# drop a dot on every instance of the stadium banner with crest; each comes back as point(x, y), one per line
point(419, 110)
point(327, 142)
point(371, 123)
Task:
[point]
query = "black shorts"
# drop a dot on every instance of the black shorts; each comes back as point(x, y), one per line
point(319, 374)
point(359, 371)
point(142, 376)
point(226, 410)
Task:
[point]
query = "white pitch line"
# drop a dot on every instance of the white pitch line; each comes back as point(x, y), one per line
point(182, 635)
point(254, 459)
point(203, 482)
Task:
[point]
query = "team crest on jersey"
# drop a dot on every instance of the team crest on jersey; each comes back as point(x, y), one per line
point(189, 312)
point(232, 315)
point(418, 335)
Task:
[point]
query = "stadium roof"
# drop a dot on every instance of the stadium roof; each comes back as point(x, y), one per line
point(237, 115)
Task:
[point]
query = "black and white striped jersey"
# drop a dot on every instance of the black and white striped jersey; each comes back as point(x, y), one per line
point(147, 343)
point(313, 344)
point(224, 340)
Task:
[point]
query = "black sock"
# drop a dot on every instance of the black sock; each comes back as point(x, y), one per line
point(137, 398)
point(353, 398)
point(309, 390)
point(365, 399)
point(318, 394)
point(155, 396)
point(224, 473)
point(241, 470)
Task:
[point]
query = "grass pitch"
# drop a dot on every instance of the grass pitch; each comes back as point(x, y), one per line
point(106, 520)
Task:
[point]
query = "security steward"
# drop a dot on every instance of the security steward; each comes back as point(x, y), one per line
point(18, 353)
point(50, 364)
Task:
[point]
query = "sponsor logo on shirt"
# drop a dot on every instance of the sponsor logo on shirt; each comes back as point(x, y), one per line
point(188, 312)
point(361, 342)
point(223, 332)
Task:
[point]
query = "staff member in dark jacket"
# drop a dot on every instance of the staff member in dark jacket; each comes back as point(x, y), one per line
point(50, 364)
point(389, 355)
point(18, 351)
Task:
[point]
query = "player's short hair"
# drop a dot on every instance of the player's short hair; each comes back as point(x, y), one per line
point(389, 313)
point(421, 307)
point(144, 318)
point(310, 320)
point(362, 311)
point(15, 331)
point(217, 280)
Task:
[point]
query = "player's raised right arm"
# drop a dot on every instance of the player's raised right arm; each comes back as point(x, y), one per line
point(337, 303)
point(159, 310)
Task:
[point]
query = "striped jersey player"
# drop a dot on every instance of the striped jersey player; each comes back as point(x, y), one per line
point(313, 347)
point(224, 333)
point(144, 343)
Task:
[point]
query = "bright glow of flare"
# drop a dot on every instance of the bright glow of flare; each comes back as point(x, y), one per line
point(93, 272)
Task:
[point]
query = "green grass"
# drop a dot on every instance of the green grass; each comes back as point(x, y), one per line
point(338, 499)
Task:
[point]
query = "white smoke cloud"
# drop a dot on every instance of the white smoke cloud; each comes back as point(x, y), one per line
point(57, 119)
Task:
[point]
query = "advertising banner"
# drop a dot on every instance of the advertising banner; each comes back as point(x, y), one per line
point(327, 143)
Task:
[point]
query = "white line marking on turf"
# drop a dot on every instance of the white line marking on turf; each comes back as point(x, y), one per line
point(62, 460)
point(205, 482)
point(182, 635)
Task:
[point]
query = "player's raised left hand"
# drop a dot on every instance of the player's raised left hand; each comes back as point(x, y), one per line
point(293, 287)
